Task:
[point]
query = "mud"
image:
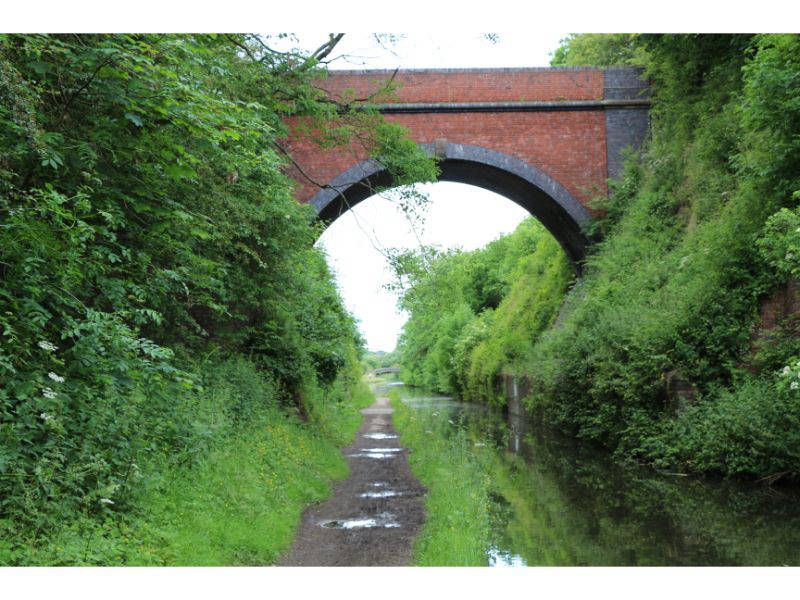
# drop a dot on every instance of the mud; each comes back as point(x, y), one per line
point(373, 517)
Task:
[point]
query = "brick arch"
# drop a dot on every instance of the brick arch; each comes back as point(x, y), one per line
point(541, 195)
point(547, 138)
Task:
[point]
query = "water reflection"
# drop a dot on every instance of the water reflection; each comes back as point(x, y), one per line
point(380, 436)
point(557, 503)
point(500, 558)
point(384, 519)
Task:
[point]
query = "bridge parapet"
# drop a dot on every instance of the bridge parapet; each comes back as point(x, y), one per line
point(383, 371)
point(471, 85)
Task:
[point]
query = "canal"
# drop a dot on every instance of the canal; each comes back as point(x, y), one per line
point(555, 502)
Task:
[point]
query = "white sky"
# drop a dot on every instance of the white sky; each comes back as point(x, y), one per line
point(444, 50)
point(459, 215)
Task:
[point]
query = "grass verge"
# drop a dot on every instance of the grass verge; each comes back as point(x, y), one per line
point(457, 528)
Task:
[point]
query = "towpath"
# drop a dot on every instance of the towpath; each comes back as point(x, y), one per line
point(373, 516)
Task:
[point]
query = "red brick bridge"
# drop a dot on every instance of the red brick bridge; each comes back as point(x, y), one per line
point(546, 138)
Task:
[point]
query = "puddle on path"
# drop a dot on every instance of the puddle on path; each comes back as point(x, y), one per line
point(383, 494)
point(376, 453)
point(380, 436)
point(384, 519)
point(373, 455)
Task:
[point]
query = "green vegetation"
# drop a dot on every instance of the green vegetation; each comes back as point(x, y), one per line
point(238, 505)
point(150, 243)
point(456, 531)
point(474, 313)
point(697, 234)
point(380, 360)
point(675, 286)
point(597, 50)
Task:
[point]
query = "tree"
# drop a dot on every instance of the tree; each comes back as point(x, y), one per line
point(146, 220)
point(597, 50)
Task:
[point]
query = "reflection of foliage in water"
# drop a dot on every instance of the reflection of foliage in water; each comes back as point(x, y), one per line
point(566, 505)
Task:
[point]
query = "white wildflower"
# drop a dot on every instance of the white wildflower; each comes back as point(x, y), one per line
point(288, 217)
point(56, 378)
point(48, 393)
point(45, 417)
point(786, 371)
point(794, 385)
point(44, 345)
point(106, 501)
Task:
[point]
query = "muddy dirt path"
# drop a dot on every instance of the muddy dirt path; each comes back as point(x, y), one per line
point(373, 516)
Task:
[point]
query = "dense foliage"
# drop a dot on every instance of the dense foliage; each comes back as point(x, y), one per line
point(597, 50)
point(380, 360)
point(673, 291)
point(660, 352)
point(472, 314)
point(147, 230)
point(246, 479)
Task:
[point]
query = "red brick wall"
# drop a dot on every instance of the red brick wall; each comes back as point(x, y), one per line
point(569, 146)
point(473, 85)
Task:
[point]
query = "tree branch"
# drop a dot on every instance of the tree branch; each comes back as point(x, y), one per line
point(344, 105)
point(270, 50)
point(322, 51)
point(235, 42)
point(83, 87)
point(300, 169)
point(382, 251)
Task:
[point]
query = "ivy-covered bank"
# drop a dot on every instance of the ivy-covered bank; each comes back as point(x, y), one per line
point(163, 314)
point(679, 348)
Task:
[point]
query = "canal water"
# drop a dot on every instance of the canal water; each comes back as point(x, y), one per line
point(556, 503)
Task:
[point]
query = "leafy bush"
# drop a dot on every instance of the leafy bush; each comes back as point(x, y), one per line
point(147, 231)
point(749, 431)
point(474, 314)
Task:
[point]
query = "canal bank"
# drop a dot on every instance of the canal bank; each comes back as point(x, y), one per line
point(504, 493)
